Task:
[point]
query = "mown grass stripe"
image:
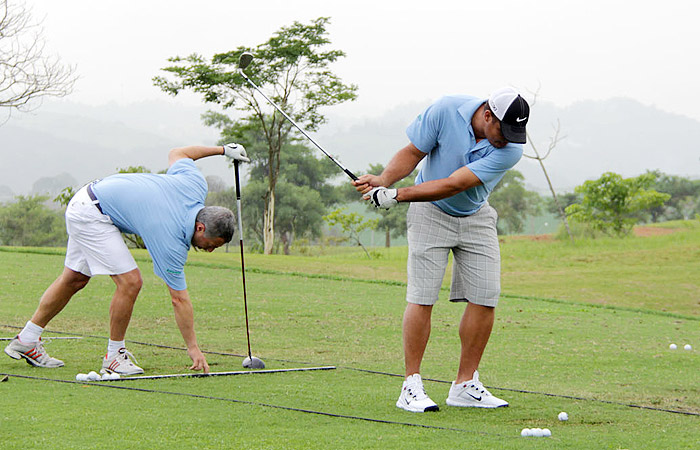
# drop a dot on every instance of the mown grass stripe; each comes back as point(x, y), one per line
point(265, 405)
point(341, 278)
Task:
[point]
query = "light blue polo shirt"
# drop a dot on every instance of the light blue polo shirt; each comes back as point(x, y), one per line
point(161, 208)
point(444, 131)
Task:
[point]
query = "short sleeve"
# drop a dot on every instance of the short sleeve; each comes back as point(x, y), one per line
point(491, 168)
point(424, 131)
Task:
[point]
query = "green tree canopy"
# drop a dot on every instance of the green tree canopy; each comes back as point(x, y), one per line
point(29, 223)
point(352, 224)
point(514, 202)
point(292, 67)
point(684, 201)
point(302, 194)
point(612, 204)
point(392, 221)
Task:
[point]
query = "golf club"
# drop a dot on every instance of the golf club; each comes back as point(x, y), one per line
point(251, 361)
point(245, 59)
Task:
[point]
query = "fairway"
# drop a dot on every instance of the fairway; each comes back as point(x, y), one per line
point(605, 359)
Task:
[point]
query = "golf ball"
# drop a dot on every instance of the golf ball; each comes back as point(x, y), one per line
point(93, 376)
point(526, 432)
point(546, 432)
point(673, 346)
point(81, 377)
point(688, 347)
point(114, 376)
point(537, 432)
point(563, 416)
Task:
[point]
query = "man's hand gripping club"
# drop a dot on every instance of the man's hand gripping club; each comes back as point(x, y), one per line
point(236, 152)
point(382, 197)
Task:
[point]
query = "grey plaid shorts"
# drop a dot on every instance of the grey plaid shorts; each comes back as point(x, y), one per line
point(473, 240)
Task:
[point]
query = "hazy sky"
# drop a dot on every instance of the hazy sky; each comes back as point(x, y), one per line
point(400, 51)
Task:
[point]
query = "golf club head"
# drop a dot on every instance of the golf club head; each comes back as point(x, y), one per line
point(244, 60)
point(253, 363)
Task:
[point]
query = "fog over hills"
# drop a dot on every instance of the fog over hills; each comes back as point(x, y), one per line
point(66, 140)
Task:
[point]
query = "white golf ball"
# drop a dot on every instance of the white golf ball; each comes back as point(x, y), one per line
point(106, 376)
point(563, 416)
point(537, 432)
point(526, 432)
point(688, 347)
point(673, 346)
point(546, 432)
point(114, 376)
point(81, 377)
point(93, 376)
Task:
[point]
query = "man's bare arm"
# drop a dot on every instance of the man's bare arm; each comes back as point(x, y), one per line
point(193, 152)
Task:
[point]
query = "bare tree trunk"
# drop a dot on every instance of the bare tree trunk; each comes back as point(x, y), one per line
point(269, 223)
point(540, 159)
point(286, 238)
point(387, 240)
point(556, 201)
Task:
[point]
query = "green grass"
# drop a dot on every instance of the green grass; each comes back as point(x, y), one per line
point(590, 320)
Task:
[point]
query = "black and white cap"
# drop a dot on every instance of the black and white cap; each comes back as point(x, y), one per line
point(513, 112)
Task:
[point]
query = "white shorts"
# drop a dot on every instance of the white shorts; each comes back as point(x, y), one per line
point(95, 244)
point(473, 240)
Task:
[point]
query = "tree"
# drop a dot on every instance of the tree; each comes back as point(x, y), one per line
point(29, 223)
point(612, 204)
point(302, 194)
point(392, 221)
point(292, 67)
point(63, 198)
point(352, 224)
point(513, 202)
point(684, 201)
point(26, 73)
point(554, 140)
point(563, 201)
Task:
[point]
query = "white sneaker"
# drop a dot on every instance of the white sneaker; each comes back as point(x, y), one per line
point(34, 354)
point(413, 397)
point(121, 363)
point(473, 394)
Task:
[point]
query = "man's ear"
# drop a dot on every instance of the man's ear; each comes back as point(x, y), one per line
point(199, 226)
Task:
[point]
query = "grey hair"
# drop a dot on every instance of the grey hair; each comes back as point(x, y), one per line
point(219, 222)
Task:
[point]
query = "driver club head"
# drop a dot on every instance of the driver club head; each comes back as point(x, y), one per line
point(244, 60)
point(252, 362)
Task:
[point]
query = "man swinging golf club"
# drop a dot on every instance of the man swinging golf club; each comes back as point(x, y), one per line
point(168, 212)
point(468, 144)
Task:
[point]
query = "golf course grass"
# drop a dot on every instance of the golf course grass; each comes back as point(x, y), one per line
point(583, 328)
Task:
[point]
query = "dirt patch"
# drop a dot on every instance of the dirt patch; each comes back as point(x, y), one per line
point(652, 231)
point(640, 231)
point(534, 237)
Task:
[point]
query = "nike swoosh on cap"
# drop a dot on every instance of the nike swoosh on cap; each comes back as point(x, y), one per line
point(518, 119)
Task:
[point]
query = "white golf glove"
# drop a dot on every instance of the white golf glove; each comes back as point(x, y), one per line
point(382, 197)
point(236, 152)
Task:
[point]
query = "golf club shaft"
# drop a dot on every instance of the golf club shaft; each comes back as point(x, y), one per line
point(350, 174)
point(240, 236)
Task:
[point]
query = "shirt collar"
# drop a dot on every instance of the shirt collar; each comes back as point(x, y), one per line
point(467, 111)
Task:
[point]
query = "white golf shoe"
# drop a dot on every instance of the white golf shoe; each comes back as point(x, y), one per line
point(413, 397)
point(121, 363)
point(34, 354)
point(473, 394)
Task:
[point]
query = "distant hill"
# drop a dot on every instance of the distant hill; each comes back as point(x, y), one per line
point(92, 142)
point(87, 142)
